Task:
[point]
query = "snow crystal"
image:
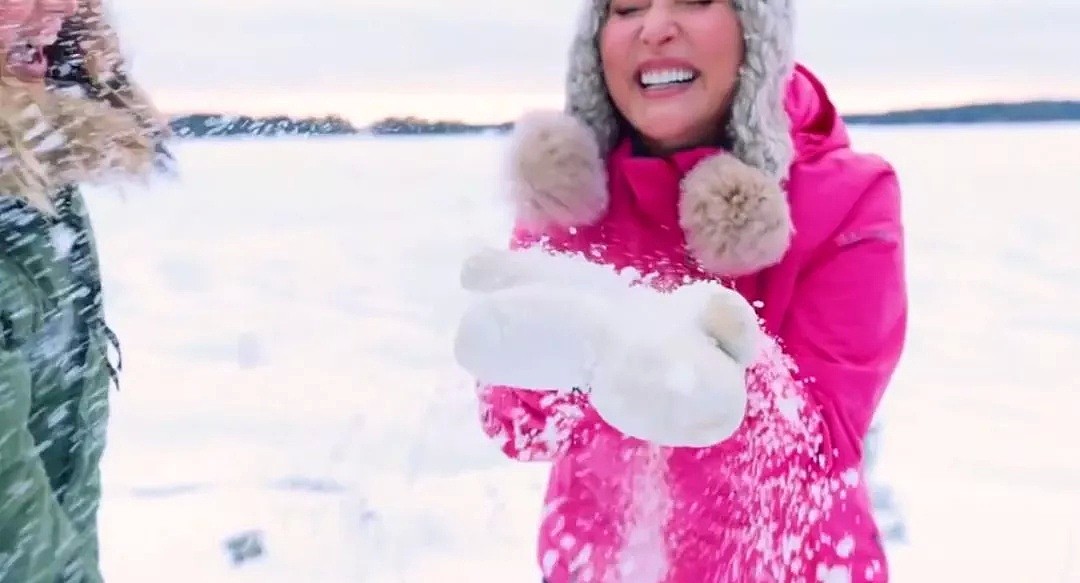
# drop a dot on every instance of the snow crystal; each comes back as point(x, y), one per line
point(845, 547)
point(547, 563)
point(838, 574)
point(850, 477)
point(62, 238)
point(644, 556)
point(789, 406)
point(872, 570)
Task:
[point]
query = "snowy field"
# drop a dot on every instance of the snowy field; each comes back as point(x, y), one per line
point(286, 309)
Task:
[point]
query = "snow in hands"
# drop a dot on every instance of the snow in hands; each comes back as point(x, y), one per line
point(664, 367)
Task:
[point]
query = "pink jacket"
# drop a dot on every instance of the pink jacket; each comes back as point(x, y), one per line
point(784, 498)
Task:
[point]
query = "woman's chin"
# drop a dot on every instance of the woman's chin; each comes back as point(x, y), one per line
point(26, 63)
point(674, 124)
point(662, 136)
point(27, 75)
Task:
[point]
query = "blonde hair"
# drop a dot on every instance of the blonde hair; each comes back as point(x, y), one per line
point(107, 130)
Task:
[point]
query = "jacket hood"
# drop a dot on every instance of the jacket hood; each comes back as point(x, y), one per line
point(736, 216)
point(89, 124)
point(758, 128)
point(816, 127)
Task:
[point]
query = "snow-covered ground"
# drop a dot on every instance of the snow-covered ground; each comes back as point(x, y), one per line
point(287, 309)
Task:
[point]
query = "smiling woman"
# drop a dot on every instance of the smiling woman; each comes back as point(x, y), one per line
point(694, 148)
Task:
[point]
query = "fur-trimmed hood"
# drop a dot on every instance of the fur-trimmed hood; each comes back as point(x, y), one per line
point(89, 123)
point(733, 207)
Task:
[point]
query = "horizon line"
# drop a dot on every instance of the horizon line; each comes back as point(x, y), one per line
point(449, 119)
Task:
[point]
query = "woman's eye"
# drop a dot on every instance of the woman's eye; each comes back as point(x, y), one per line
point(626, 8)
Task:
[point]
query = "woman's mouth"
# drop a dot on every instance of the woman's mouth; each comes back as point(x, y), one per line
point(26, 61)
point(25, 54)
point(667, 77)
point(664, 78)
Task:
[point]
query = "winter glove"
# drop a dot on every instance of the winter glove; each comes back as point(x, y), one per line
point(668, 368)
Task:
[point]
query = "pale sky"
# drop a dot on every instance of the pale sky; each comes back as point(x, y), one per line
point(487, 60)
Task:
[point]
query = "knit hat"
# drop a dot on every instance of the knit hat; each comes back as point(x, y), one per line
point(732, 206)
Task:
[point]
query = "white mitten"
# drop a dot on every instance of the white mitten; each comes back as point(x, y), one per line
point(668, 368)
point(533, 336)
point(491, 270)
point(537, 321)
point(679, 380)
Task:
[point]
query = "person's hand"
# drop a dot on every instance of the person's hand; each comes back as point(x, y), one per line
point(535, 321)
point(668, 368)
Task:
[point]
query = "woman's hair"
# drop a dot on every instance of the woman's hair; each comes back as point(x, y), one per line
point(86, 59)
point(92, 125)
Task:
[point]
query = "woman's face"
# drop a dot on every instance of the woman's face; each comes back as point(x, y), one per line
point(671, 67)
point(26, 28)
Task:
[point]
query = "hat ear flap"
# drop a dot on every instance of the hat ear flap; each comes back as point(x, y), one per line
point(759, 126)
point(556, 172)
point(587, 95)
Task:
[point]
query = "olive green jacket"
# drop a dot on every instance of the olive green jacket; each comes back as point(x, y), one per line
point(55, 376)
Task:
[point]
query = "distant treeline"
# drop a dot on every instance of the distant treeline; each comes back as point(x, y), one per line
point(1026, 112)
point(210, 125)
point(200, 125)
point(419, 126)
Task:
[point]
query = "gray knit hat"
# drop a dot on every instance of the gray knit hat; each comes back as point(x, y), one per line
point(732, 208)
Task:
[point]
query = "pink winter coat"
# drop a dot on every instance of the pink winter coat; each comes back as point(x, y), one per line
point(784, 499)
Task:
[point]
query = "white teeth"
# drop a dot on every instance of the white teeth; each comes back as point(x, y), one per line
point(21, 54)
point(666, 76)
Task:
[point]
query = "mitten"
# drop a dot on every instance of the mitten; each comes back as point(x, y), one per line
point(678, 376)
point(668, 368)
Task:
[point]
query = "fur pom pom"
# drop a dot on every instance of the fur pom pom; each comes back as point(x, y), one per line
point(556, 172)
point(737, 221)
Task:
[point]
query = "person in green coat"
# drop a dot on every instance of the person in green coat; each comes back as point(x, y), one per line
point(68, 116)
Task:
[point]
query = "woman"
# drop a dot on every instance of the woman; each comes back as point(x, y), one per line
point(67, 116)
point(694, 148)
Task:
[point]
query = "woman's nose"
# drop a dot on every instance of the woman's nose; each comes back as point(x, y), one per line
point(59, 7)
point(15, 12)
point(658, 28)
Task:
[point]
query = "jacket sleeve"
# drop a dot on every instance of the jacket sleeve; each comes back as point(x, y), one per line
point(847, 323)
point(36, 537)
point(534, 425)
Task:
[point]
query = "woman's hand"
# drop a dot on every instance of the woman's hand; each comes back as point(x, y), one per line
point(668, 368)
